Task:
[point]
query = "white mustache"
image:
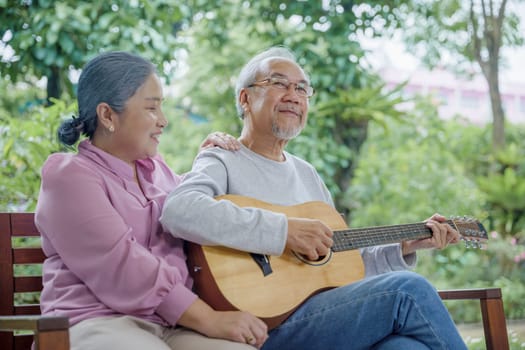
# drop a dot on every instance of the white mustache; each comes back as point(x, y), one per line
point(290, 108)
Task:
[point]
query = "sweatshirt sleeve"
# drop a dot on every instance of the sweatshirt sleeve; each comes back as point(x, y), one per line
point(191, 212)
point(386, 258)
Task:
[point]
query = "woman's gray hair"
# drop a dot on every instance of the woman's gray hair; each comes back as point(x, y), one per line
point(249, 71)
point(111, 77)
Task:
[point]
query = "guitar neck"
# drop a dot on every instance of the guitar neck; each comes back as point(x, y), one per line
point(373, 236)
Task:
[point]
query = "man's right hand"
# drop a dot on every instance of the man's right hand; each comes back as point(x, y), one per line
point(309, 237)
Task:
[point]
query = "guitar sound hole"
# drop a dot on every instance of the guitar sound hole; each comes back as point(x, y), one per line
point(321, 257)
point(318, 262)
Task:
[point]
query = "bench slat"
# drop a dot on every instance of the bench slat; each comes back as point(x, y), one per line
point(28, 256)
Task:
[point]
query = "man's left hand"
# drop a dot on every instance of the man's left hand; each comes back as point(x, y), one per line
point(442, 235)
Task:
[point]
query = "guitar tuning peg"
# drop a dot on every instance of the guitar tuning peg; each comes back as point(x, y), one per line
point(470, 244)
point(482, 245)
point(475, 244)
point(467, 219)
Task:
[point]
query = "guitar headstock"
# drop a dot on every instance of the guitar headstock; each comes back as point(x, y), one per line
point(471, 231)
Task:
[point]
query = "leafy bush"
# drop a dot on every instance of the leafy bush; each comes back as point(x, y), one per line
point(408, 171)
point(26, 140)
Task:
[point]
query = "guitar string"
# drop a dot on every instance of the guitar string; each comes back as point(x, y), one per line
point(357, 238)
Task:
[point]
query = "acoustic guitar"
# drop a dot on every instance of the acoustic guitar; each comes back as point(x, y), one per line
point(272, 287)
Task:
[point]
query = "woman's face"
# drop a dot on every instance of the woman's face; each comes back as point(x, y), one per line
point(139, 126)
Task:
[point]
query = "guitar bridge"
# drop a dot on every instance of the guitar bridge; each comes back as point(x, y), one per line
point(263, 262)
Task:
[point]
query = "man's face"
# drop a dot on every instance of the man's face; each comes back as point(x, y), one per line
point(274, 107)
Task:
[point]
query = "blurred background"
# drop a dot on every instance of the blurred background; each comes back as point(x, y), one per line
point(419, 107)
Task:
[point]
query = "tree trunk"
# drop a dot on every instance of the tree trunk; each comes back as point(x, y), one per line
point(490, 42)
point(53, 84)
point(498, 115)
point(354, 140)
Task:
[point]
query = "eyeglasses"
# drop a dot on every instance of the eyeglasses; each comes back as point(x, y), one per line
point(301, 88)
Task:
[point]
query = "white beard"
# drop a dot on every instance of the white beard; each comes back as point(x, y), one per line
point(285, 134)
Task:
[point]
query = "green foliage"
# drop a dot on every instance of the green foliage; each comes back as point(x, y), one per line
point(499, 265)
point(499, 176)
point(338, 126)
point(407, 171)
point(456, 27)
point(181, 139)
point(470, 37)
point(506, 195)
point(222, 38)
point(25, 142)
point(505, 190)
point(50, 37)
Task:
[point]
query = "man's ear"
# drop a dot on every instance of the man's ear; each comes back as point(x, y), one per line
point(243, 99)
point(106, 116)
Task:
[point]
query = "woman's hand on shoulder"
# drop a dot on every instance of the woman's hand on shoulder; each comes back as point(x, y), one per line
point(222, 140)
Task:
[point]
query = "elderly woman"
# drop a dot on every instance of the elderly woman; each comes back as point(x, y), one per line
point(110, 267)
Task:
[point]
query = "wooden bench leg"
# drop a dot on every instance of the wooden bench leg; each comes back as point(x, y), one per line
point(52, 340)
point(492, 313)
point(494, 324)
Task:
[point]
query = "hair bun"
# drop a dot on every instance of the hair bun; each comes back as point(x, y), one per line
point(69, 131)
point(77, 123)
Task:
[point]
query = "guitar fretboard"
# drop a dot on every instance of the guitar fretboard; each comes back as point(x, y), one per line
point(372, 236)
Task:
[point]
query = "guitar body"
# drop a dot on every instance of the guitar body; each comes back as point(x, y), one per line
point(229, 279)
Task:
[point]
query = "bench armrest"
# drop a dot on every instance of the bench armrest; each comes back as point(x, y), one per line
point(492, 313)
point(50, 332)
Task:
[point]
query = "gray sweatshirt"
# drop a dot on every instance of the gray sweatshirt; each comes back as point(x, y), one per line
point(192, 213)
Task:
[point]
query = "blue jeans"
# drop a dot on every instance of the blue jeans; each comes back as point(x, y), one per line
point(397, 310)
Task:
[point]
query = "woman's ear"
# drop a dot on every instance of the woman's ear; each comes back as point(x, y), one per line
point(106, 116)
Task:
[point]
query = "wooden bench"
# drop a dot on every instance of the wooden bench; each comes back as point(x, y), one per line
point(47, 332)
point(51, 333)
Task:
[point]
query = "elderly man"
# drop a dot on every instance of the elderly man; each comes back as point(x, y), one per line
point(389, 309)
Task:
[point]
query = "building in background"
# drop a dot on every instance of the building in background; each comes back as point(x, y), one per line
point(454, 95)
point(457, 96)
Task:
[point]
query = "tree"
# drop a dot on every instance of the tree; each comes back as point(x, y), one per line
point(49, 38)
point(468, 32)
point(322, 34)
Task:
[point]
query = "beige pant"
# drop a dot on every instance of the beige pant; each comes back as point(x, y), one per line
point(130, 333)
